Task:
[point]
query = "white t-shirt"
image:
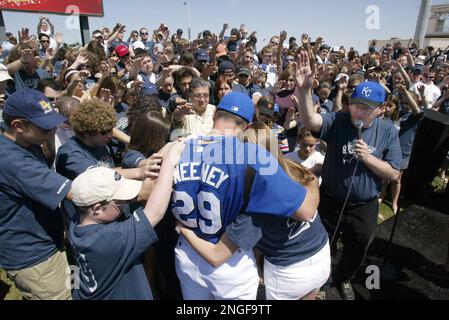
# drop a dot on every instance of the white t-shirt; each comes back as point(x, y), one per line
point(431, 92)
point(310, 162)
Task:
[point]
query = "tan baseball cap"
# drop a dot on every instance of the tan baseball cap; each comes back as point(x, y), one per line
point(102, 184)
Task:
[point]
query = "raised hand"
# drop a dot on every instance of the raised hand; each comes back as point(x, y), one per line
point(305, 38)
point(186, 109)
point(50, 54)
point(225, 26)
point(342, 84)
point(214, 40)
point(27, 57)
point(82, 57)
point(401, 88)
point(24, 36)
point(278, 86)
point(305, 72)
point(283, 36)
point(105, 69)
point(421, 89)
point(58, 38)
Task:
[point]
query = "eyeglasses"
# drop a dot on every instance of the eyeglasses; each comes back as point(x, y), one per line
point(200, 95)
point(45, 41)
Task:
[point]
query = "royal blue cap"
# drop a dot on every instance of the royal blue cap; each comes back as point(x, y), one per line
point(34, 106)
point(239, 104)
point(369, 93)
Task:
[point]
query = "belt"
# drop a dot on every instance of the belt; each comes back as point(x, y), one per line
point(348, 203)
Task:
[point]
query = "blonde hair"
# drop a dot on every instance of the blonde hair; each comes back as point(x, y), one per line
point(259, 133)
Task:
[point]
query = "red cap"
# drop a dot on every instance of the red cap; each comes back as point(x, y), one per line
point(121, 50)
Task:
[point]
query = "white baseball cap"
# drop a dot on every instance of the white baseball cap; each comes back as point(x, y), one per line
point(102, 184)
point(138, 44)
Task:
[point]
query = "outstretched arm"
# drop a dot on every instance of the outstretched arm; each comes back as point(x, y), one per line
point(305, 76)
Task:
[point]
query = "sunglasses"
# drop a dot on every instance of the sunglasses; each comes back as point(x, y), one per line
point(144, 33)
point(45, 41)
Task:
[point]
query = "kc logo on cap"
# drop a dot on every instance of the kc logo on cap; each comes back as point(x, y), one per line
point(366, 92)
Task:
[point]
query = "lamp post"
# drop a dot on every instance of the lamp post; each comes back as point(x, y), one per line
point(186, 3)
point(423, 19)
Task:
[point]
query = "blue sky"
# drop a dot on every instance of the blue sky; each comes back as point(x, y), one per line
point(339, 22)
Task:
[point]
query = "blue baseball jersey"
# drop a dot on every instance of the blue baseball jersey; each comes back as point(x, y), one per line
point(31, 228)
point(282, 241)
point(209, 185)
point(110, 258)
point(340, 161)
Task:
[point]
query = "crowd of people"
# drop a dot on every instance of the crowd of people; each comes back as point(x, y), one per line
point(172, 169)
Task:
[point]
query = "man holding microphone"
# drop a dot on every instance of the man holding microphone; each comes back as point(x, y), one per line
point(362, 151)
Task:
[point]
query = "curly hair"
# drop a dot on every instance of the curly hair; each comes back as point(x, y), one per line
point(92, 117)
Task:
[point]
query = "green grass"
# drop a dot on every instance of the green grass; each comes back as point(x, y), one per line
point(7, 289)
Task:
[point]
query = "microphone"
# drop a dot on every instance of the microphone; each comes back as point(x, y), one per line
point(359, 124)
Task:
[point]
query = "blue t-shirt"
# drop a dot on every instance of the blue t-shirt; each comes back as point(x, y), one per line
point(22, 80)
point(109, 257)
point(340, 161)
point(31, 226)
point(74, 157)
point(209, 185)
point(131, 159)
point(117, 148)
point(282, 241)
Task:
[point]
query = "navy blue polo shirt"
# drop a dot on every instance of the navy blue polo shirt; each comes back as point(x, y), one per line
point(131, 159)
point(31, 227)
point(340, 161)
point(110, 258)
point(74, 157)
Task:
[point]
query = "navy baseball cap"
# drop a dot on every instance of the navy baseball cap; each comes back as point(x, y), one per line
point(239, 104)
point(226, 66)
point(34, 106)
point(202, 55)
point(369, 93)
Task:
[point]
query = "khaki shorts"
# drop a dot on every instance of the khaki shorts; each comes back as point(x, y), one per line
point(45, 281)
